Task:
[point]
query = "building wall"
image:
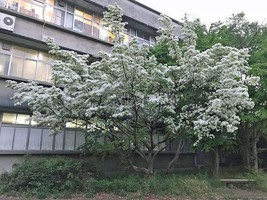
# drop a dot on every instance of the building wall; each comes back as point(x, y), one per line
point(134, 10)
point(110, 165)
point(31, 28)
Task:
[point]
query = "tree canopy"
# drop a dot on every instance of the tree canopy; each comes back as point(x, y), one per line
point(138, 103)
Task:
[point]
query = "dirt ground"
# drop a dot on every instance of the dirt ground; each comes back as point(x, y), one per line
point(233, 194)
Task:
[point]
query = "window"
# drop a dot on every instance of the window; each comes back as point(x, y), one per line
point(66, 15)
point(23, 119)
point(89, 24)
point(58, 17)
point(25, 63)
point(49, 13)
point(13, 5)
point(12, 118)
point(83, 22)
point(3, 3)
point(4, 63)
point(103, 32)
point(9, 118)
point(18, 133)
point(32, 8)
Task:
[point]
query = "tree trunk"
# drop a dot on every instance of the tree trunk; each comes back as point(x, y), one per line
point(148, 169)
point(150, 164)
point(171, 164)
point(254, 160)
point(215, 162)
point(245, 147)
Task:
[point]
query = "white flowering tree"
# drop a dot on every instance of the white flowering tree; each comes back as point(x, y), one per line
point(214, 85)
point(138, 104)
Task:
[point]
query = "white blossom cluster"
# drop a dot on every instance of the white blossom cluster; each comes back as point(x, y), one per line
point(129, 92)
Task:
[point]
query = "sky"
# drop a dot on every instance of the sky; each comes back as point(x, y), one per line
point(209, 11)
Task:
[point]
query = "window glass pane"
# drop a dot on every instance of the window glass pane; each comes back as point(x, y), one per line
point(87, 27)
point(5, 48)
point(146, 36)
point(95, 30)
point(3, 3)
point(80, 139)
point(33, 123)
point(60, 3)
point(70, 8)
point(47, 141)
point(25, 8)
point(162, 145)
point(29, 69)
point(96, 19)
point(19, 51)
point(20, 139)
point(70, 125)
point(13, 5)
point(103, 33)
point(44, 57)
point(9, 118)
point(126, 39)
point(88, 16)
point(78, 24)
point(80, 123)
point(59, 141)
point(69, 21)
point(69, 140)
point(110, 37)
point(59, 17)
point(140, 34)
point(41, 74)
point(48, 13)
point(16, 67)
point(22, 119)
point(78, 12)
point(35, 139)
point(4, 63)
point(51, 2)
point(37, 10)
point(6, 138)
point(153, 40)
point(32, 54)
point(49, 73)
point(132, 32)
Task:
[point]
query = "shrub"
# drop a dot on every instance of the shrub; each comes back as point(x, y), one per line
point(41, 177)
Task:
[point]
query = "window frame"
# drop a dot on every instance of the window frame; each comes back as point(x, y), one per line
point(38, 60)
point(79, 138)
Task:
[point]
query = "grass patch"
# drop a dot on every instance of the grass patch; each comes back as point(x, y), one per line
point(198, 185)
point(62, 177)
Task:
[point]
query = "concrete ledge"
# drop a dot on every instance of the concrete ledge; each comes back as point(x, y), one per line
point(238, 183)
point(237, 180)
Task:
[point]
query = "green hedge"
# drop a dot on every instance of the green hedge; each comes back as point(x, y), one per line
point(45, 176)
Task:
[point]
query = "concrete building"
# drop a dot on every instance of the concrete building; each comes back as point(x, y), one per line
point(73, 24)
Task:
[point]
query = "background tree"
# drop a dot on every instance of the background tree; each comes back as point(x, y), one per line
point(240, 33)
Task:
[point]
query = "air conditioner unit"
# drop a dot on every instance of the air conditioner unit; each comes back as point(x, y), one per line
point(7, 22)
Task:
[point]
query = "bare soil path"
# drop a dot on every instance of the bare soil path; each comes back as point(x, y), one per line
point(233, 194)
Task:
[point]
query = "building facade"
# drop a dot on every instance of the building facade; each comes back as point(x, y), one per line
point(72, 24)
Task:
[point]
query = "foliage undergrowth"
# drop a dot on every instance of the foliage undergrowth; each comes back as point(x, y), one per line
point(45, 177)
point(61, 177)
point(194, 185)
